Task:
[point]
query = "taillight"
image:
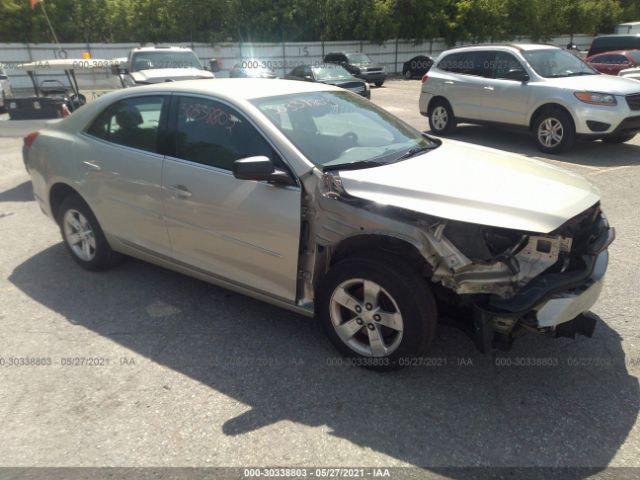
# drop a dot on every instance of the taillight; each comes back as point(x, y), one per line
point(65, 111)
point(29, 139)
point(425, 77)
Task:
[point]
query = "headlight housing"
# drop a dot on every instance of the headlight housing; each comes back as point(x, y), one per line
point(595, 98)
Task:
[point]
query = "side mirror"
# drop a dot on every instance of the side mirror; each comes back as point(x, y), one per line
point(517, 74)
point(119, 69)
point(260, 169)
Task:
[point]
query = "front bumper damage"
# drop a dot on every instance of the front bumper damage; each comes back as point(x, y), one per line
point(554, 303)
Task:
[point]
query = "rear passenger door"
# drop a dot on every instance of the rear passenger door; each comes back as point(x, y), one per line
point(505, 100)
point(119, 154)
point(464, 87)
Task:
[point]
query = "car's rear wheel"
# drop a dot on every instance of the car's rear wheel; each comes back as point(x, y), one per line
point(83, 236)
point(377, 311)
point(441, 118)
point(379, 84)
point(554, 131)
point(618, 138)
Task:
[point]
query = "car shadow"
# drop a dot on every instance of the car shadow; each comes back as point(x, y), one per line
point(588, 153)
point(546, 403)
point(19, 193)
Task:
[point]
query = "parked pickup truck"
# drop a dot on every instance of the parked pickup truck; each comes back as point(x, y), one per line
point(155, 64)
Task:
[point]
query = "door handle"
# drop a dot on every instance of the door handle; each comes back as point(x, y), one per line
point(488, 88)
point(92, 165)
point(180, 191)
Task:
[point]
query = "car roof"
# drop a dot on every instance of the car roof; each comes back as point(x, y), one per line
point(514, 46)
point(236, 88)
point(155, 48)
point(616, 52)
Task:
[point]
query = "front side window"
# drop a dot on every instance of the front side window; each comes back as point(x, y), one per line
point(132, 122)
point(337, 130)
point(555, 63)
point(503, 63)
point(211, 133)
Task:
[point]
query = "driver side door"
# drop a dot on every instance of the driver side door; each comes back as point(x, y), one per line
point(243, 231)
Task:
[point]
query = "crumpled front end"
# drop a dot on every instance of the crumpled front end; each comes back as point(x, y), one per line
point(557, 300)
point(514, 281)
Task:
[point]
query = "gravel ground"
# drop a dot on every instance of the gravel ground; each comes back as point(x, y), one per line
point(140, 366)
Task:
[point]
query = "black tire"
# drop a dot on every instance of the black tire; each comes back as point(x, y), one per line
point(379, 84)
point(102, 256)
point(408, 291)
point(618, 138)
point(435, 116)
point(548, 119)
point(407, 74)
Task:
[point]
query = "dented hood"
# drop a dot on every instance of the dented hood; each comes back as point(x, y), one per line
point(157, 75)
point(477, 185)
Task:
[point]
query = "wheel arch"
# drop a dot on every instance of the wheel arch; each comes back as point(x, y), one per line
point(434, 99)
point(369, 243)
point(57, 193)
point(549, 105)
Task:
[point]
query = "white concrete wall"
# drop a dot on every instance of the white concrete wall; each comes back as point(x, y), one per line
point(283, 57)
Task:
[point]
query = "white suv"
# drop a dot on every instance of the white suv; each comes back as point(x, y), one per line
point(548, 90)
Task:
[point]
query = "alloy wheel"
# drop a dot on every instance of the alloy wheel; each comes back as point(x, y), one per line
point(79, 235)
point(440, 117)
point(550, 132)
point(366, 317)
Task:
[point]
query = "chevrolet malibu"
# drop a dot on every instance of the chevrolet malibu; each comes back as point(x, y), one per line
point(314, 199)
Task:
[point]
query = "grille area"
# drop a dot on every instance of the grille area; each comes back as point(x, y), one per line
point(633, 101)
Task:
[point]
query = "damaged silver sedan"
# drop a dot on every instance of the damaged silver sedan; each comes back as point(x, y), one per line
point(314, 199)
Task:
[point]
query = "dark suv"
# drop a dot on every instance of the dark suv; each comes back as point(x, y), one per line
point(359, 65)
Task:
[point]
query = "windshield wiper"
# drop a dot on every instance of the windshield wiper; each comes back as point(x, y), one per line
point(354, 165)
point(413, 152)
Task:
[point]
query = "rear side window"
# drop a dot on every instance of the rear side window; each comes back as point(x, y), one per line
point(211, 133)
point(477, 63)
point(132, 122)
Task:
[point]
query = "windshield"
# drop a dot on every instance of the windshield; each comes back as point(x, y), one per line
point(553, 63)
point(337, 130)
point(358, 58)
point(152, 60)
point(330, 72)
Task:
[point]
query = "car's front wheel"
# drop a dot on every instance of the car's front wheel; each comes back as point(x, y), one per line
point(379, 84)
point(83, 236)
point(554, 131)
point(618, 138)
point(441, 118)
point(377, 310)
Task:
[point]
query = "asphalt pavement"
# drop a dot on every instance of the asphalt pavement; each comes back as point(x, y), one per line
point(140, 366)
